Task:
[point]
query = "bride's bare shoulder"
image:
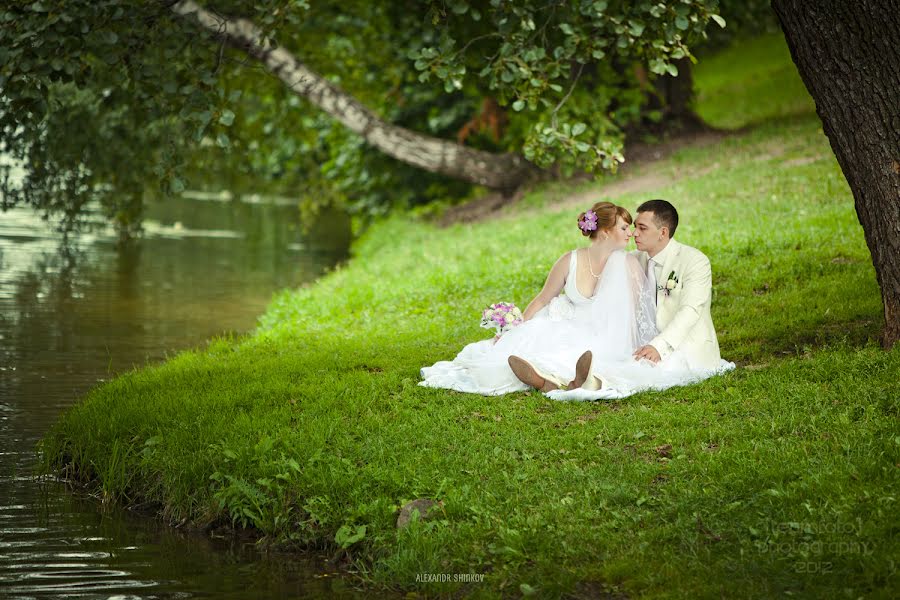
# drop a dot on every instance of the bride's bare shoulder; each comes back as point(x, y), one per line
point(565, 258)
point(562, 263)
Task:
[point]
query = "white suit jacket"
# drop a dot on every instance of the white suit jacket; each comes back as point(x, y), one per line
point(682, 315)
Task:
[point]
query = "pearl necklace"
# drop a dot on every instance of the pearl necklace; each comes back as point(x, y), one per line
point(591, 267)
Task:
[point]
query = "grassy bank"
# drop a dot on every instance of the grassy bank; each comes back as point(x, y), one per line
point(781, 477)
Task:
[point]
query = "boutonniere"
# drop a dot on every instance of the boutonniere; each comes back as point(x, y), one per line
point(670, 284)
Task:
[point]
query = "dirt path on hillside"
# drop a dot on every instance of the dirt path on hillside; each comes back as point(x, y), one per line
point(635, 176)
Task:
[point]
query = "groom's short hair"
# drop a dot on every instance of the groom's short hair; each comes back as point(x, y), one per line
point(664, 214)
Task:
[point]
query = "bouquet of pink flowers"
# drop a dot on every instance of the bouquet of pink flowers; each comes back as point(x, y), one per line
point(502, 316)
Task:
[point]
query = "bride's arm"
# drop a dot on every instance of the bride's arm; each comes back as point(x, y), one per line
point(552, 287)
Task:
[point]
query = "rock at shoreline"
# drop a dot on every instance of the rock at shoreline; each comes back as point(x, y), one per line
point(426, 507)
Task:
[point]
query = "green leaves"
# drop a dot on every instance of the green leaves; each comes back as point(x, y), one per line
point(636, 28)
point(525, 57)
point(226, 118)
point(176, 185)
point(348, 535)
point(661, 67)
point(109, 37)
point(165, 83)
point(548, 145)
point(458, 7)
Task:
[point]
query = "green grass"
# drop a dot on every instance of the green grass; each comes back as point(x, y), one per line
point(749, 83)
point(782, 477)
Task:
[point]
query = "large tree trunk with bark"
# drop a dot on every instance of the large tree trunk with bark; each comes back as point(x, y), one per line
point(848, 54)
point(504, 172)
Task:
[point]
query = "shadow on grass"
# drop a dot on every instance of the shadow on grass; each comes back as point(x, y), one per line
point(782, 342)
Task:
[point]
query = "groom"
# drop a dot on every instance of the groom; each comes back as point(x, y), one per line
point(683, 281)
point(684, 289)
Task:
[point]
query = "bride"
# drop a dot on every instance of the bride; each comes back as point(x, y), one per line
point(606, 307)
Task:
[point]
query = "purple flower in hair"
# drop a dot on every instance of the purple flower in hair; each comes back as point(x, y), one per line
point(588, 222)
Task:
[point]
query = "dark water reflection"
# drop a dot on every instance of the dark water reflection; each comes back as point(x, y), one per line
point(71, 317)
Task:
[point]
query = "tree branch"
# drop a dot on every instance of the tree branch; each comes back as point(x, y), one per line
point(497, 171)
point(566, 97)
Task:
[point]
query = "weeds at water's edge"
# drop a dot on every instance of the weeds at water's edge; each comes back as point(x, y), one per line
point(334, 559)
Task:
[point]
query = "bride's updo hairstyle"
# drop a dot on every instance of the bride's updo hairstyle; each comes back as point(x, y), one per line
point(601, 217)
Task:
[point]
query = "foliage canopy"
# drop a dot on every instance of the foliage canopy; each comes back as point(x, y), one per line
point(100, 97)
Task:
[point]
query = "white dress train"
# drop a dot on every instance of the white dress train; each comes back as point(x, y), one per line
point(619, 318)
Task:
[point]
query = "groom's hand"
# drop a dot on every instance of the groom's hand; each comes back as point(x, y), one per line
point(648, 352)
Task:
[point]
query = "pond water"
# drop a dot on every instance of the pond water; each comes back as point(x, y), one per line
point(73, 316)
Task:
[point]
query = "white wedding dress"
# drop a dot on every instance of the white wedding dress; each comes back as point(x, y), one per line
point(619, 318)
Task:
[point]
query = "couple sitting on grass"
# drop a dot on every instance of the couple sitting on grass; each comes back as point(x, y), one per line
point(626, 322)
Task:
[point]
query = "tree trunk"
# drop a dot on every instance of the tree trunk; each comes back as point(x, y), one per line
point(673, 97)
point(677, 95)
point(503, 172)
point(848, 54)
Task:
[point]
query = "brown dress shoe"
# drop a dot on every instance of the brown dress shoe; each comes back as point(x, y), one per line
point(527, 375)
point(582, 370)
